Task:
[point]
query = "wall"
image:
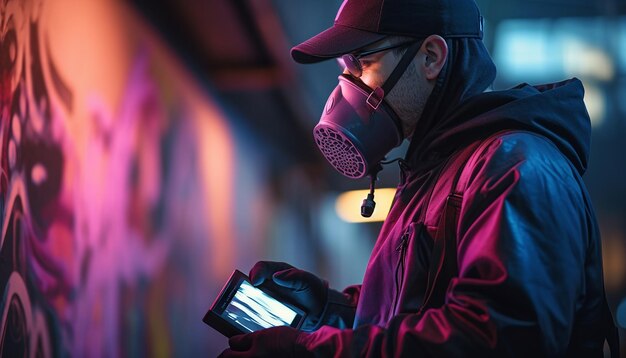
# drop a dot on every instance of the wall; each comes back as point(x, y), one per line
point(125, 189)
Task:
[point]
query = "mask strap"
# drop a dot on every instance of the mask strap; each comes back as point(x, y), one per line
point(376, 97)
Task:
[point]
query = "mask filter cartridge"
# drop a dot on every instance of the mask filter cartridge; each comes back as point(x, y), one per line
point(353, 135)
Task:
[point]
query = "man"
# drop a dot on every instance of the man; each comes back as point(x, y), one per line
point(522, 275)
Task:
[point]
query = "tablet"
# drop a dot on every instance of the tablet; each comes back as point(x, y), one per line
point(243, 308)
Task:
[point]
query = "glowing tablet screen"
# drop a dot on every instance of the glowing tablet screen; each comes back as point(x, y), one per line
point(252, 309)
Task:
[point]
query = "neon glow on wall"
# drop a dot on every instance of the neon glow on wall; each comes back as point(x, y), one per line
point(116, 203)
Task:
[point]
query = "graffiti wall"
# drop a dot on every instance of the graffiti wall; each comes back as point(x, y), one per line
point(116, 188)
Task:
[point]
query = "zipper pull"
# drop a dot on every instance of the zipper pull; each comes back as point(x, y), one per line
point(403, 242)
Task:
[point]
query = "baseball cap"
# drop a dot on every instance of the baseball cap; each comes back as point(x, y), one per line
point(362, 22)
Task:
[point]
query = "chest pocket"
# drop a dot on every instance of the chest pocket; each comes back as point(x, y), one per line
point(443, 264)
point(413, 252)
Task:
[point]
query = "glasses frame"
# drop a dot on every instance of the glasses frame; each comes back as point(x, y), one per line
point(352, 61)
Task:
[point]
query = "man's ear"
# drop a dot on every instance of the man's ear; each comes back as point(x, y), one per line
point(436, 53)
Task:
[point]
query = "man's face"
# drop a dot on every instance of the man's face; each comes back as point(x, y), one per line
point(408, 97)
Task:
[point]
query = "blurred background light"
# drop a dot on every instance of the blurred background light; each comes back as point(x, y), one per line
point(348, 205)
point(613, 254)
point(523, 48)
point(595, 100)
point(620, 35)
point(583, 59)
point(552, 49)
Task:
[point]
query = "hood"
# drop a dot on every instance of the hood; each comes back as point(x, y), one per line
point(459, 111)
point(555, 111)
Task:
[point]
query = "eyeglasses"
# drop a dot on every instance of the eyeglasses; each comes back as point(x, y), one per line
point(352, 61)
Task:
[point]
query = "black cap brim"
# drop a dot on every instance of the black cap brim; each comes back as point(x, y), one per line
point(333, 42)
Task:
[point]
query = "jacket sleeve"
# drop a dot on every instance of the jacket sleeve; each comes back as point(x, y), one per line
point(523, 233)
point(340, 307)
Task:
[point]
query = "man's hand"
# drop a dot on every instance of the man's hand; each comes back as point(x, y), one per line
point(271, 342)
point(302, 287)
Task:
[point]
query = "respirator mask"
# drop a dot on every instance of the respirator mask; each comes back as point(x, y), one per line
point(358, 127)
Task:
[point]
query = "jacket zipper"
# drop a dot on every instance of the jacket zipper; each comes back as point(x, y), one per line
point(404, 170)
point(399, 272)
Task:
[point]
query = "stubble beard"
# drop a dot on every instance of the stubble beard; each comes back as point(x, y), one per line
point(408, 98)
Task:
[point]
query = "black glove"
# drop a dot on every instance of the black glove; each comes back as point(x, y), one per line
point(270, 343)
point(300, 287)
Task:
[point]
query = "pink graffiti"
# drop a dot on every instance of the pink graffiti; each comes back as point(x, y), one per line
point(118, 252)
